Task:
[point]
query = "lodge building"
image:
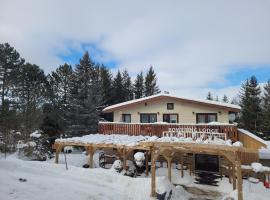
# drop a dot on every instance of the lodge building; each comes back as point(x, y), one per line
point(172, 109)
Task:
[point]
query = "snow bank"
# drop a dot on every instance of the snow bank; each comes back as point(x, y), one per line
point(264, 153)
point(35, 134)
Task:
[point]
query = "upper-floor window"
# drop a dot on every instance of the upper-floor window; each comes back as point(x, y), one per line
point(206, 117)
point(170, 106)
point(148, 118)
point(170, 118)
point(126, 118)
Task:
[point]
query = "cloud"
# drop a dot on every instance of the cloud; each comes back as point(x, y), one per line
point(193, 45)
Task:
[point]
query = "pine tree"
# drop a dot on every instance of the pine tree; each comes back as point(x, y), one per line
point(138, 86)
point(225, 99)
point(209, 96)
point(250, 103)
point(58, 95)
point(150, 83)
point(85, 98)
point(106, 86)
point(216, 99)
point(10, 62)
point(118, 89)
point(266, 110)
point(127, 85)
point(59, 85)
point(30, 94)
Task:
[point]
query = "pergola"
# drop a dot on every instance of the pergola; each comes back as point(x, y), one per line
point(234, 156)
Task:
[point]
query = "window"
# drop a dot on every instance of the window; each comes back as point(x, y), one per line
point(148, 118)
point(126, 118)
point(170, 106)
point(170, 118)
point(206, 117)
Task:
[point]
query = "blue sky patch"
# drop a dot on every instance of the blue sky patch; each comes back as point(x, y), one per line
point(97, 54)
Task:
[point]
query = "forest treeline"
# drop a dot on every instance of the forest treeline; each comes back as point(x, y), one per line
point(255, 104)
point(68, 100)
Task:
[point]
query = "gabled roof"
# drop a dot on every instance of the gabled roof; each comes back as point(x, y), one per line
point(228, 106)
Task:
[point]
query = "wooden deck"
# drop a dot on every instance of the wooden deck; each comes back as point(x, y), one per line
point(156, 129)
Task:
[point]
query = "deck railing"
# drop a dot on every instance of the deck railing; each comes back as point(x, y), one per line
point(158, 129)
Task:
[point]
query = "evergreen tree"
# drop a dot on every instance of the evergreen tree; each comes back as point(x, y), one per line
point(59, 86)
point(118, 89)
point(216, 99)
point(106, 86)
point(85, 98)
point(138, 86)
point(209, 96)
point(250, 103)
point(10, 62)
point(266, 110)
point(150, 83)
point(30, 95)
point(127, 85)
point(225, 99)
point(58, 94)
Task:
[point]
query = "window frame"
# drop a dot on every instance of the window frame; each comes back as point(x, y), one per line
point(206, 117)
point(123, 117)
point(148, 117)
point(170, 104)
point(170, 117)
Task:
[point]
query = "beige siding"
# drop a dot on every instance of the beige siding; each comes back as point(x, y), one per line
point(184, 110)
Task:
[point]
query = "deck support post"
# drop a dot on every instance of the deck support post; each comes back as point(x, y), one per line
point(239, 180)
point(146, 163)
point(182, 165)
point(233, 177)
point(169, 160)
point(153, 173)
point(91, 155)
point(57, 152)
point(124, 159)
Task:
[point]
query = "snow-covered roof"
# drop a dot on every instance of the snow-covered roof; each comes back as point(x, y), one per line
point(208, 102)
point(128, 140)
point(252, 135)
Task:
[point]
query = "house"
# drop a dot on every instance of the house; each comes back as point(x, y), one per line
point(172, 109)
point(161, 113)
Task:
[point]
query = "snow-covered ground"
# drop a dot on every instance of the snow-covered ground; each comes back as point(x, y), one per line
point(46, 180)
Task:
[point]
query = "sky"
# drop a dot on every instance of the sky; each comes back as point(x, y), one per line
point(194, 46)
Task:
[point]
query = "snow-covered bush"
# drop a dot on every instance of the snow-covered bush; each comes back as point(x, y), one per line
point(117, 166)
point(8, 140)
point(36, 148)
point(139, 159)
